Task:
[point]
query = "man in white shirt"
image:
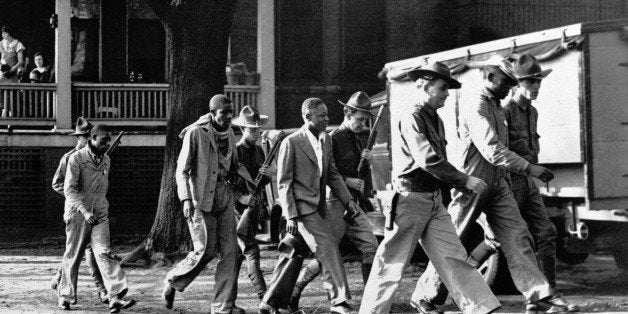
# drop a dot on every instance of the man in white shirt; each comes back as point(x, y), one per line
point(304, 166)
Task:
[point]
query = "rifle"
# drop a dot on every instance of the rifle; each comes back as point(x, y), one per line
point(369, 144)
point(115, 144)
point(272, 153)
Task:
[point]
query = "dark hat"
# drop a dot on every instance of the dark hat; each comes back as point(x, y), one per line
point(528, 67)
point(359, 101)
point(250, 118)
point(292, 245)
point(83, 127)
point(505, 66)
point(434, 70)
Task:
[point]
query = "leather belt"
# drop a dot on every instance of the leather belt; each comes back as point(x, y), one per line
point(414, 185)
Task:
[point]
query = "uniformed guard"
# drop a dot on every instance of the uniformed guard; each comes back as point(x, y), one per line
point(247, 205)
point(419, 165)
point(483, 130)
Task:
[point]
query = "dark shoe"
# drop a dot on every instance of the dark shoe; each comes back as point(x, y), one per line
point(116, 304)
point(104, 296)
point(425, 307)
point(553, 304)
point(342, 308)
point(264, 308)
point(64, 305)
point(168, 295)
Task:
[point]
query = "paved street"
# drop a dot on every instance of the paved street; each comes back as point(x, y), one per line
point(25, 274)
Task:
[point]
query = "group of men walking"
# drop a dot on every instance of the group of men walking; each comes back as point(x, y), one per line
point(320, 192)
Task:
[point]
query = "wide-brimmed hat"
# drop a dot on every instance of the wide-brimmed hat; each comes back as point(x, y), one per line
point(528, 67)
point(505, 66)
point(82, 127)
point(359, 101)
point(434, 70)
point(250, 118)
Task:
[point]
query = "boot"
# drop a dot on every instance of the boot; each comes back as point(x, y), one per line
point(307, 275)
point(366, 271)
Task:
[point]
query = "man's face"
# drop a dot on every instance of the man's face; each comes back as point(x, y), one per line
point(530, 88)
point(317, 118)
point(223, 115)
point(499, 84)
point(39, 61)
point(81, 141)
point(357, 121)
point(5, 35)
point(100, 142)
point(251, 135)
point(437, 92)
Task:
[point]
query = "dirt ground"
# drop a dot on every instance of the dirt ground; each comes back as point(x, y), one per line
point(595, 285)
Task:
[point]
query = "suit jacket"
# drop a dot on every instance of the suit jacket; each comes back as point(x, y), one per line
point(197, 165)
point(298, 179)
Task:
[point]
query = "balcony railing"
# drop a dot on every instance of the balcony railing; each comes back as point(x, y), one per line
point(27, 104)
point(118, 104)
point(242, 95)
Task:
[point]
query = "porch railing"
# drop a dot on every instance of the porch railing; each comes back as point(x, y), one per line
point(117, 104)
point(27, 104)
point(242, 95)
point(110, 103)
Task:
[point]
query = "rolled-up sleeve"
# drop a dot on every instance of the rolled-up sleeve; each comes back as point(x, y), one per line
point(413, 135)
point(482, 132)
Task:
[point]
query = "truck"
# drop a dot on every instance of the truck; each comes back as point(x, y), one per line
point(583, 127)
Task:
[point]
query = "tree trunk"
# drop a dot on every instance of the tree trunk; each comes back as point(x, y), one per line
point(197, 36)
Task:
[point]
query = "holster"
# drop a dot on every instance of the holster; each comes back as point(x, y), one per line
point(390, 210)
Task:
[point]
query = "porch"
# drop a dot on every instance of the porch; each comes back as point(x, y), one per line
point(129, 105)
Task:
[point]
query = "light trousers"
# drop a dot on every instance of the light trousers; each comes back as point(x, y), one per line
point(421, 218)
point(78, 234)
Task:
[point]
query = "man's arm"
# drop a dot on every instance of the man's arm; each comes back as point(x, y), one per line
point(285, 172)
point(486, 140)
point(73, 196)
point(59, 178)
point(413, 135)
point(184, 164)
point(336, 182)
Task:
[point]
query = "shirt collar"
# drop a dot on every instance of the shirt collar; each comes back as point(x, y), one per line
point(321, 134)
point(522, 102)
point(92, 153)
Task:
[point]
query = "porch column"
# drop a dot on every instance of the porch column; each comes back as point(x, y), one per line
point(63, 43)
point(266, 59)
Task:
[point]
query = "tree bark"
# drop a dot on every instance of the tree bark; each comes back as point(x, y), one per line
point(197, 37)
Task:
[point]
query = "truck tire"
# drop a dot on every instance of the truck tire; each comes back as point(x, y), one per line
point(621, 259)
point(489, 268)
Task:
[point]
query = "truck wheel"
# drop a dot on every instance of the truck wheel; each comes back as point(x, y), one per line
point(621, 259)
point(565, 256)
point(489, 268)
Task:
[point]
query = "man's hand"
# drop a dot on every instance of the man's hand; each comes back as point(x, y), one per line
point(540, 172)
point(291, 227)
point(188, 210)
point(353, 209)
point(252, 201)
point(354, 183)
point(265, 170)
point(89, 217)
point(366, 154)
point(476, 185)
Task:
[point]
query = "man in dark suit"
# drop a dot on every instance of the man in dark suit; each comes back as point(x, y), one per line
point(305, 166)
